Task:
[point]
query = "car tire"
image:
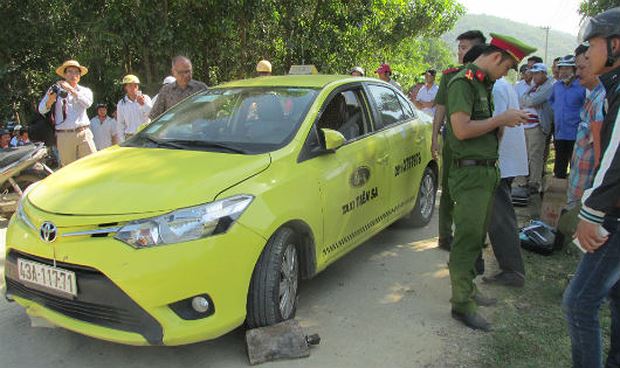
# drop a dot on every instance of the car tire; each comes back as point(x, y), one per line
point(425, 203)
point(272, 297)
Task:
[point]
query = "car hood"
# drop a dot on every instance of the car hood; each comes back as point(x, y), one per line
point(124, 180)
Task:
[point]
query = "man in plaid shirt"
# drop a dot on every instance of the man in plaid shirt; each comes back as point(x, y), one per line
point(586, 153)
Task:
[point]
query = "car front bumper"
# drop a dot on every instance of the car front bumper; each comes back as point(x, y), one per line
point(125, 294)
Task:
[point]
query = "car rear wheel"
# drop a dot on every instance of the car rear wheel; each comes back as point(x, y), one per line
point(425, 203)
point(273, 290)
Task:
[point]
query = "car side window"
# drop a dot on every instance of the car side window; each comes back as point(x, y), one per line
point(386, 101)
point(345, 113)
point(407, 109)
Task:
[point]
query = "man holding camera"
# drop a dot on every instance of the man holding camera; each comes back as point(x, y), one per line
point(70, 102)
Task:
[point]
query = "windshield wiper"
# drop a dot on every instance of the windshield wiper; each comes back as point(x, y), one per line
point(162, 143)
point(206, 144)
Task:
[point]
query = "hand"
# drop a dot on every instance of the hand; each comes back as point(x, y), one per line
point(51, 97)
point(435, 147)
point(140, 99)
point(67, 87)
point(512, 117)
point(589, 237)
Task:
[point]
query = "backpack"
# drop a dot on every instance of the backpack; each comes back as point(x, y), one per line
point(538, 237)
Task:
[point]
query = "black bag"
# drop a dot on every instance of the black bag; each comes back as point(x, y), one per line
point(42, 129)
point(538, 237)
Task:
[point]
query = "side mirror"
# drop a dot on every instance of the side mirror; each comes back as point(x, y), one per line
point(332, 139)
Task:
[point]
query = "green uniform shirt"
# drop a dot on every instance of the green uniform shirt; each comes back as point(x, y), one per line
point(469, 91)
point(442, 94)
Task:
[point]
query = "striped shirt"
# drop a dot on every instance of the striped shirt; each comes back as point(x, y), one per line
point(583, 160)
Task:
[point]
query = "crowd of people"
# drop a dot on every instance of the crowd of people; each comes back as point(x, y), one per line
point(496, 140)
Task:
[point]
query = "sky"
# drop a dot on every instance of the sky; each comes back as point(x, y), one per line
point(560, 15)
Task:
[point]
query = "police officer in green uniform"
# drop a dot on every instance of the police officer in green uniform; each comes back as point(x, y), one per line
point(468, 50)
point(473, 138)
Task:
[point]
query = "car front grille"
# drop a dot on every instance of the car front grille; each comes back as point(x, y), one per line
point(99, 300)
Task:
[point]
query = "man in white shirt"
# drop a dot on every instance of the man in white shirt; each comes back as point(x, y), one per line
point(104, 128)
point(425, 99)
point(133, 109)
point(70, 101)
point(503, 227)
point(525, 83)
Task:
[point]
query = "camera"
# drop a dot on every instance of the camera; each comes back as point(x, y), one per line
point(59, 91)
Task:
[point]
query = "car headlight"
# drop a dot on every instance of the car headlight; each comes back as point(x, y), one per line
point(184, 224)
point(20, 213)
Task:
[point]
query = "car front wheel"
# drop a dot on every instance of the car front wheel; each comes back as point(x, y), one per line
point(273, 290)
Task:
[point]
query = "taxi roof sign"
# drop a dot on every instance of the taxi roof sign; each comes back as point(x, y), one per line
point(303, 70)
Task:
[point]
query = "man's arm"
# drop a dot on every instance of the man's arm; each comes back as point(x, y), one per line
point(114, 134)
point(84, 96)
point(47, 102)
point(147, 107)
point(465, 128)
point(440, 114)
point(461, 102)
point(120, 119)
point(538, 97)
point(602, 197)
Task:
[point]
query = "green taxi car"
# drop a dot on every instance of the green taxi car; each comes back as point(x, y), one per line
point(209, 217)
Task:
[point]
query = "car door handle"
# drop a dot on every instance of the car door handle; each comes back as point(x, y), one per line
point(383, 160)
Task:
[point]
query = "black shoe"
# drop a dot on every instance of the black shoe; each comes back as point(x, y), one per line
point(445, 243)
point(484, 301)
point(512, 279)
point(472, 320)
point(479, 265)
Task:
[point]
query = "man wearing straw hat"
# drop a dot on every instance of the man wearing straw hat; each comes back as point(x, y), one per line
point(70, 102)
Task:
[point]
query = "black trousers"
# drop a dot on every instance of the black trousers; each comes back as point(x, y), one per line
point(504, 230)
point(563, 155)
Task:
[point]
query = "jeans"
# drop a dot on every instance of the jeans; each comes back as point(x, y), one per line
point(597, 277)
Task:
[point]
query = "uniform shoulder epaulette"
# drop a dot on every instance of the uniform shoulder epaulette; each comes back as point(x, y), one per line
point(478, 74)
point(451, 70)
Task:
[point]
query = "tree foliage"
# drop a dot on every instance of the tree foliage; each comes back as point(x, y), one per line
point(224, 40)
point(593, 7)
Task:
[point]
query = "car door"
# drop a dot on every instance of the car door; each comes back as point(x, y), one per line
point(352, 180)
point(406, 139)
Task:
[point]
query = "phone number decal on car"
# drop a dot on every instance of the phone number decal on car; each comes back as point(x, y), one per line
point(408, 163)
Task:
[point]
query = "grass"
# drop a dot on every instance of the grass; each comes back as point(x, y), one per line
point(529, 325)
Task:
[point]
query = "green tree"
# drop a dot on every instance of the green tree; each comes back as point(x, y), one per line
point(593, 7)
point(224, 40)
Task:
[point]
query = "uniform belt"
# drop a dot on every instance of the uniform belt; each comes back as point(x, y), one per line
point(466, 162)
point(76, 130)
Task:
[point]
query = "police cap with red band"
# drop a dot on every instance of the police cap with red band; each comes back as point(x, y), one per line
point(515, 48)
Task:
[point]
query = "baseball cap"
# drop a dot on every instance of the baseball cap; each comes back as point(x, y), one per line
point(384, 68)
point(568, 60)
point(539, 68)
point(432, 72)
point(169, 79)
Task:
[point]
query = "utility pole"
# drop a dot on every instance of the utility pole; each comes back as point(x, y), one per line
point(546, 42)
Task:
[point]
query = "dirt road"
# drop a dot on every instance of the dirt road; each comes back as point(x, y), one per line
point(383, 305)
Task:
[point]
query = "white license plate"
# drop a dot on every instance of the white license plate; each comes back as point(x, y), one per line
point(47, 277)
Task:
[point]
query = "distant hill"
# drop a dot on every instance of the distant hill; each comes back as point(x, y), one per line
point(560, 43)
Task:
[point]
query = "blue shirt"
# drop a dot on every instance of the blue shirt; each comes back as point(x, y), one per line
point(567, 102)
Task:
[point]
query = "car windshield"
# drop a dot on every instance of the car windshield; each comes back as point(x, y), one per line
point(235, 120)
